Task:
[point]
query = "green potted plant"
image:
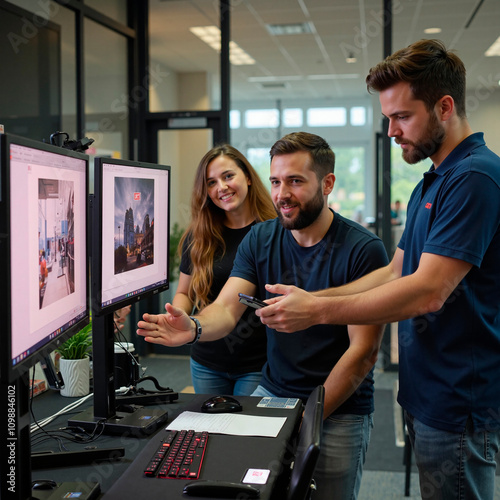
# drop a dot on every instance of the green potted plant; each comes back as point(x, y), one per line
point(74, 363)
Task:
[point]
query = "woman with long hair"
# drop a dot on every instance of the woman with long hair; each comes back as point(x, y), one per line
point(228, 199)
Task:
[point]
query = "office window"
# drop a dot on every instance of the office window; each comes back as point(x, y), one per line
point(107, 101)
point(404, 177)
point(348, 196)
point(234, 119)
point(115, 9)
point(326, 117)
point(37, 60)
point(358, 116)
point(261, 118)
point(293, 117)
point(260, 160)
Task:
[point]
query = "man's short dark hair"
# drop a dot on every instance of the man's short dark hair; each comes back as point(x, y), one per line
point(431, 70)
point(322, 156)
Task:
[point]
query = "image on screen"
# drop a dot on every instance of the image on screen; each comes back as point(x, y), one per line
point(134, 223)
point(48, 238)
point(132, 251)
point(56, 240)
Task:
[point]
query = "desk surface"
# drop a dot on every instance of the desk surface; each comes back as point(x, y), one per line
point(226, 458)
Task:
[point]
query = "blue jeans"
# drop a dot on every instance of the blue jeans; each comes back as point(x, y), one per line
point(207, 381)
point(453, 465)
point(343, 449)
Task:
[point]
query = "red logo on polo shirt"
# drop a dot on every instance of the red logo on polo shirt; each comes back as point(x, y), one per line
point(428, 206)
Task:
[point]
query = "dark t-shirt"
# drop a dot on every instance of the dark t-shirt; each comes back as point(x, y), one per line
point(244, 349)
point(298, 362)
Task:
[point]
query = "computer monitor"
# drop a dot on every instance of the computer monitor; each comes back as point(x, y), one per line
point(130, 234)
point(43, 250)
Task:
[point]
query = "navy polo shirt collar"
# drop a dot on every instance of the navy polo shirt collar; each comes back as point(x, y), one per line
point(470, 143)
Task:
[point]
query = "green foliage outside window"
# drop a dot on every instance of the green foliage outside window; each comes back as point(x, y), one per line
point(404, 177)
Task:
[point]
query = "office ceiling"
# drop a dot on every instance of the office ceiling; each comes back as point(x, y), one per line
point(314, 65)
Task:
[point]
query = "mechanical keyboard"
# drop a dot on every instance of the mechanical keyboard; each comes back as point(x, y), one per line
point(179, 456)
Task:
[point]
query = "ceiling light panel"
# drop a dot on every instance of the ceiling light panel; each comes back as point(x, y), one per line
point(290, 29)
point(212, 37)
point(494, 50)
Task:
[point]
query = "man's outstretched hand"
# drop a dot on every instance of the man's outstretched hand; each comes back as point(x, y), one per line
point(172, 329)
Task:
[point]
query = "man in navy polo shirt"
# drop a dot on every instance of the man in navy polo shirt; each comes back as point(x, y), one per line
point(442, 284)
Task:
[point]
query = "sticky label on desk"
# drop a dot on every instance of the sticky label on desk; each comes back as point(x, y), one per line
point(269, 402)
point(256, 476)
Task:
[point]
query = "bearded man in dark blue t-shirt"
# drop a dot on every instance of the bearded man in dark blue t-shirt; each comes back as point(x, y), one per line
point(311, 247)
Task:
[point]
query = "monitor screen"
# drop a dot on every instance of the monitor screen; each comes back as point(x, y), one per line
point(44, 250)
point(130, 232)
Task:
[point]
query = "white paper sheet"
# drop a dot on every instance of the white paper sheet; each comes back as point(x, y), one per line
point(228, 423)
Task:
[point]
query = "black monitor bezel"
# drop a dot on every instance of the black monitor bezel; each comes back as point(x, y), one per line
point(8, 371)
point(96, 229)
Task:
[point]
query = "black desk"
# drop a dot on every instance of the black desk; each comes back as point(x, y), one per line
point(226, 458)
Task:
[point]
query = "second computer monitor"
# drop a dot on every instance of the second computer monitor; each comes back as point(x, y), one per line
point(130, 232)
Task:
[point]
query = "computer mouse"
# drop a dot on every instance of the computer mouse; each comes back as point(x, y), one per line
point(221, 404)
point(43, 484)
point(220, 489)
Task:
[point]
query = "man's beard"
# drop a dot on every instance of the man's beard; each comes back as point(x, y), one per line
point(428, 145)
point(308, 213)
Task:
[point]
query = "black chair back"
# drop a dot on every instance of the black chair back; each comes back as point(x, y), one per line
point(308, 447)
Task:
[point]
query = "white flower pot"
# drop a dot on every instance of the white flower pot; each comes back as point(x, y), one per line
point(76, 376)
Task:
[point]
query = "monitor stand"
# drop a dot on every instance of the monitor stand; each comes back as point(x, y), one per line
point(138, 421)
point(105, 416)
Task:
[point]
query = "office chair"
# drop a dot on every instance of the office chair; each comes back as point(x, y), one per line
point(308, 447)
